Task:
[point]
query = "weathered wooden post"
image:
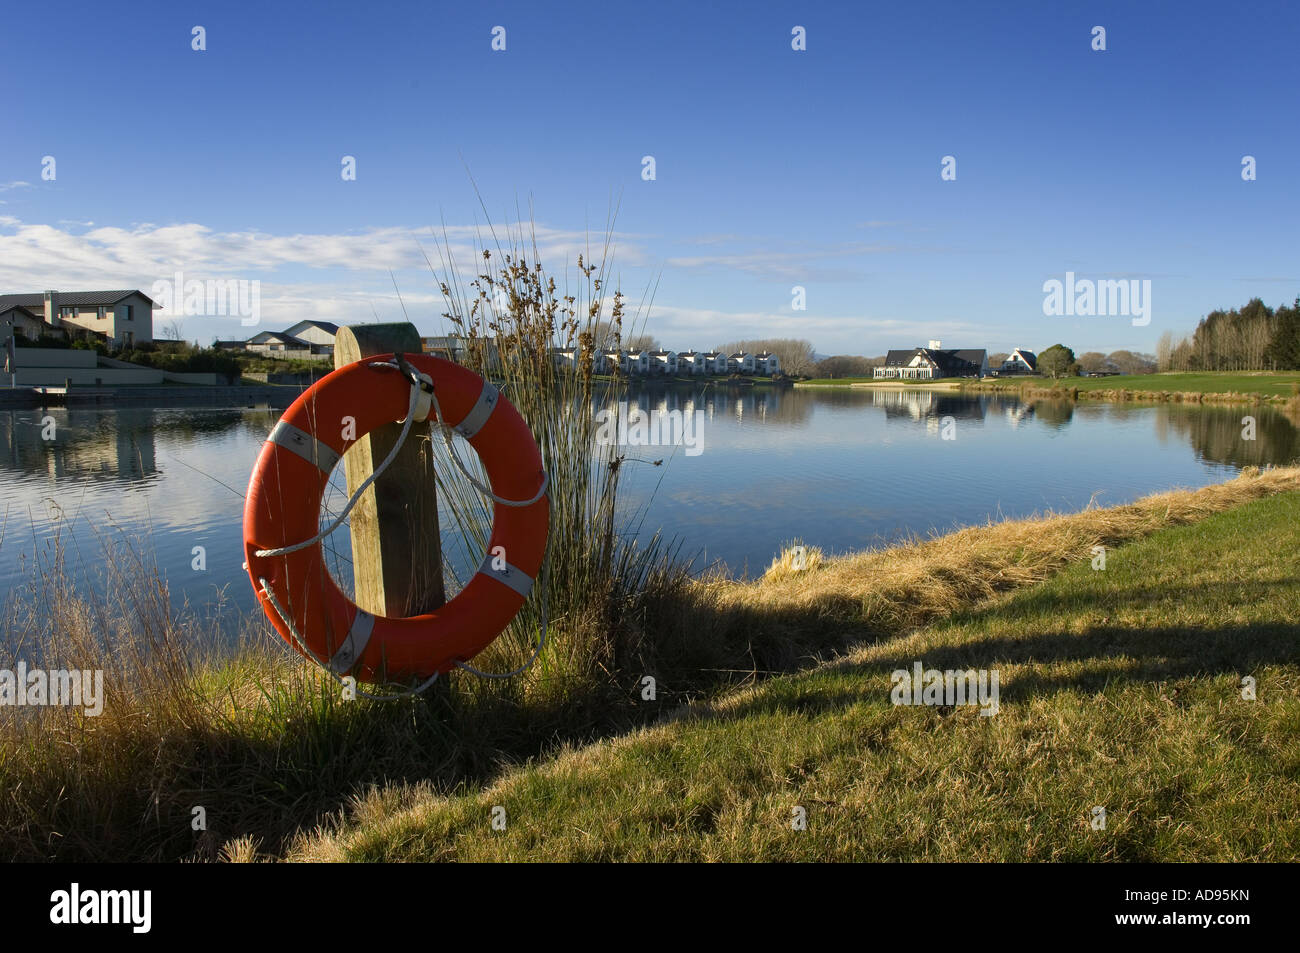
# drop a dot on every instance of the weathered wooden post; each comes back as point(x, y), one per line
point(396, 547)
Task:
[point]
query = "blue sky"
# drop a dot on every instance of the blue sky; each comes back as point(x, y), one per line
point(774, 168)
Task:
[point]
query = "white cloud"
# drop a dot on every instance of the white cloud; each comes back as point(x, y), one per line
point(108, 256)
point(804, 265)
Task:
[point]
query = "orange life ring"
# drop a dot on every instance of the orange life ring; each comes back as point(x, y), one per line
point(283, 508)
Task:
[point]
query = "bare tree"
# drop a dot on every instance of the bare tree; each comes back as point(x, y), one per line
point(797, 356)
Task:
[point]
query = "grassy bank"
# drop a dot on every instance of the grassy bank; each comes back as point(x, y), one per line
point(1120, 689)
point(269, 748)
point(1213, 386)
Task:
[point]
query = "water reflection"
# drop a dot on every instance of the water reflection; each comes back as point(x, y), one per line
point(1220, 434)
point(840, 468)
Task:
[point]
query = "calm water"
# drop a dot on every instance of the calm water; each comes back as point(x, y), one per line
point(838, 469)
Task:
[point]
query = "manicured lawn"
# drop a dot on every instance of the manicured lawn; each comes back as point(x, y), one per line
point(1269, 384)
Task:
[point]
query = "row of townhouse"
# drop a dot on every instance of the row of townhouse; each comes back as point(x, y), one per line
point(647, 363)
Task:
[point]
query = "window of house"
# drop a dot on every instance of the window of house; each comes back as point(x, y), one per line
point(130, 312)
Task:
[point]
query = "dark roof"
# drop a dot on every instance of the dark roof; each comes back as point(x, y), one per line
point(323, 325)
point(279, 336)
point(1030, 357)
point(6, 308)
point(900, 358)
point(69, 299)
point(950, 362)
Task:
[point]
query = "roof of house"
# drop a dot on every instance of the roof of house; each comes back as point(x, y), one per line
point(5, 309)
point(263, 336)
point(323, 325)
point(1030, 357)
point(901, 358)
point(88, 299)
point(948, 360)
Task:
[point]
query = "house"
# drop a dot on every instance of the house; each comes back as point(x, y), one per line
point(1020, 361)
point(741, 362)
point(933, 363)
point(447, 346)
point(121, 318)
point(319, 334)
point(767, 364)
point(28, 323)
point(612, 360)
point(638, 362)
point(715, 362)
point(691, 362)
point(663, 362)
point(280, 344)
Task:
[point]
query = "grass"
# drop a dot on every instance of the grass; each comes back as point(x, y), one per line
point(1267, 384)
point(1120, 688)
point(269, 748)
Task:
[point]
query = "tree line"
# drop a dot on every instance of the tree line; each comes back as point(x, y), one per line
point(1253, 338)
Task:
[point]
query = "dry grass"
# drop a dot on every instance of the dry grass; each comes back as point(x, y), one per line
point(771, 622)
point(1120, 688)
point(266, 745)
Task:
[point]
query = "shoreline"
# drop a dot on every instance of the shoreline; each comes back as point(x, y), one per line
point(218, 395)
point(772, 625)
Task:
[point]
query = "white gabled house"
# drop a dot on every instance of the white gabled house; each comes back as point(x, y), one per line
point(613, 359)
point(663, 362)
point(638, 362)
point(1020, 361)
point(767, 364)
point(691, 362)
point(741, 362)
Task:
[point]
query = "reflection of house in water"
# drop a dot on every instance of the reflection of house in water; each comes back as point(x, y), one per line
point(1017, 414)
point(85, 443)
point(925, 404)
point(766, 405)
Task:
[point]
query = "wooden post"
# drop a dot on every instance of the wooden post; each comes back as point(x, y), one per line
point(396, 547)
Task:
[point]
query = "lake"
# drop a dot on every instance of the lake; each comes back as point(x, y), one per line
point(836, 468)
